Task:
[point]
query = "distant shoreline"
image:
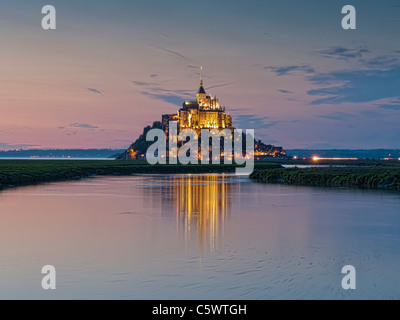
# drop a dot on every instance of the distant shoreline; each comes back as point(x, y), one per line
point(90, 154)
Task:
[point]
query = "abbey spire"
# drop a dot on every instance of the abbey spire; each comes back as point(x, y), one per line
point(201, 93)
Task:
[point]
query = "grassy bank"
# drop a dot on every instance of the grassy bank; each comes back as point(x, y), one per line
point(377, 177)
point(25, 172)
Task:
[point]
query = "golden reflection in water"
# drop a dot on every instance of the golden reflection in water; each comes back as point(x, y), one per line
point(202, 204)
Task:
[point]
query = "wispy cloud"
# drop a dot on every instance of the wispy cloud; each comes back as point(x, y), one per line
point(156, 91)
point(338, 52)
point(337, 116)
point(164, 34)
point(220, 85)
point(141, 83)
point(83, 126)
point(285, 70)
point(170, 98)
point(382, 62)
point(285, 91)
point(260, 124)
point(247, 121)
point(392, 105)
point(356, 86)
point(175, 53)
point(95, 91)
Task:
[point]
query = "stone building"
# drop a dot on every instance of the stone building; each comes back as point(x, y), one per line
point(203, 113)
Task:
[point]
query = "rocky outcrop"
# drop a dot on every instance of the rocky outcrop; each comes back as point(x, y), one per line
point(138, 149)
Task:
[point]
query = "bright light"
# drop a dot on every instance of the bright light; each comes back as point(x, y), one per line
point(315, 158)
point(295, 157)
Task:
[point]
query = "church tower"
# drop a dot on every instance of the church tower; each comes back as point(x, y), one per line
point(201, 93)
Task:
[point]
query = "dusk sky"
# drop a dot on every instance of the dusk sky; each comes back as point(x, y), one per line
point(284, 68)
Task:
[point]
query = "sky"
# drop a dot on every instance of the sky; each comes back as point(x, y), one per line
point(286, 69)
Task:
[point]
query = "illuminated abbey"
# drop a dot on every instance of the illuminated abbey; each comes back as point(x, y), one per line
point(203, 113)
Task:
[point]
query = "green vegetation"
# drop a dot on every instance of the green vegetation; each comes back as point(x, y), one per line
point(25, 172)
point(361, 174)
point(387, 178)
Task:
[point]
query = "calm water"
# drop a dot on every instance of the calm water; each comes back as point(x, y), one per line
point(197, 237)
